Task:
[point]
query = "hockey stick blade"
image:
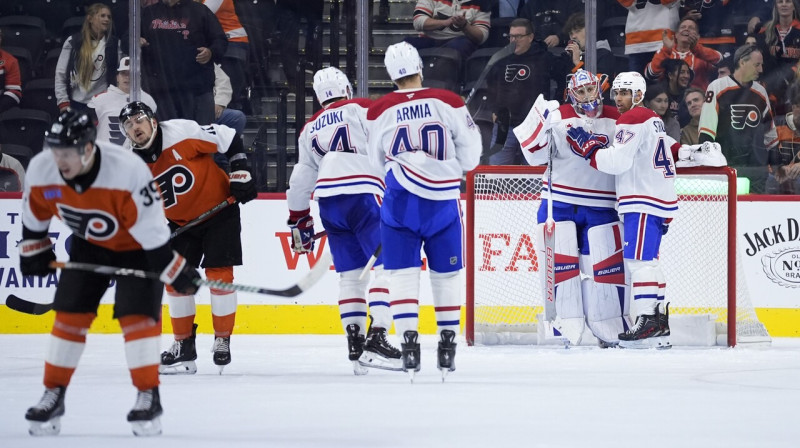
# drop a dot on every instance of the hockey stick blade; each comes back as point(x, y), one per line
point(507, 50)
point(25, 306)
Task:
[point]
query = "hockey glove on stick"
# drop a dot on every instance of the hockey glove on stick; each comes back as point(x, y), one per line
point(180, 275)
point(585, 143)
point(243, 188)
point(35, 257)
point(302, 227)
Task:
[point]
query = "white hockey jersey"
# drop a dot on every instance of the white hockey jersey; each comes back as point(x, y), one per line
point(426, 138)
point(641, 158)
point(333, 156)
point(107, 106)
point(574, 180)
point(120, 211)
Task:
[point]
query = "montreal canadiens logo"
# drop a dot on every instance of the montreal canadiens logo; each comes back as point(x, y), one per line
point(96, 225)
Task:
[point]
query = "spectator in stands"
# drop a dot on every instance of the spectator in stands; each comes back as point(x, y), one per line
point(575, 28)
point(10, 79)
point(737, 115)
point(462, 25)
point(759, 12)
point(85, 66)
point(684, 45)
point(690, 134)
point(514, 83)
point(677, 80)
point(715, 20)
point(779, 42)
point(642, 36)
point(657, 100)
point(181, 41)
point(725, 67)
point(507, 8)
point(549, 18)
point(234, 63)
point(12, 174)
point(233, 118)
point(106, 105)
point(786, 166)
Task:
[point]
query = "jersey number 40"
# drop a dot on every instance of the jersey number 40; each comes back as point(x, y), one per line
point(430, 140)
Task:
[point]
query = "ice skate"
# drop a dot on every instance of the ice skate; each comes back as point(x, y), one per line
point(45, 417)
point(446, 353)
point(410, 353)
point(355, 347)
point(144, 416)
point(663, 323)
point(379, 353)
point(222, 352)
point(180, 357)
point(644, 334)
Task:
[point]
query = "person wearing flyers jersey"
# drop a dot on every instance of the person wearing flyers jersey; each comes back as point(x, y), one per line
point(180, 156)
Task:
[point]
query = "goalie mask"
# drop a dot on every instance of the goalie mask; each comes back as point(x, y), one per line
point(139, 124)
point(632, 81)
point(585, 91)
point(330, 83)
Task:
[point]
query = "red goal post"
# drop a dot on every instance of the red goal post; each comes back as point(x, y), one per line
point(710, 304)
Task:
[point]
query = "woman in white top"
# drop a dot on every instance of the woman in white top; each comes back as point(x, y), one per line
point(87, 61)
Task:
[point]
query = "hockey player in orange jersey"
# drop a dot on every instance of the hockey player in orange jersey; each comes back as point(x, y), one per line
point(180, 156)
point(116, 220)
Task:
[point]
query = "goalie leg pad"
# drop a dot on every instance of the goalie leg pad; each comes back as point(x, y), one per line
point(404, 298)
point(446, 288)
point(605, 294)
point(352, 304)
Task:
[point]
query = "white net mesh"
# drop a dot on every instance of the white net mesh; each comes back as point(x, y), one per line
point(507, 291)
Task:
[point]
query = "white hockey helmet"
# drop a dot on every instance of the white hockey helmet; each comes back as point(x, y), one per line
point(402, 60)
point(632, 81)
point(330, 83)
point(585, 90)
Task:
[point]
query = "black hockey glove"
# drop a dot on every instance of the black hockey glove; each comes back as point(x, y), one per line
point(180, 275)
point(35, 257)
point(243, 188)
point(302, 233)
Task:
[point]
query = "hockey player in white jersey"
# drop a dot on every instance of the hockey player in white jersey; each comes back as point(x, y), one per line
point(587, 225)
point(333, 166)
point(641, 157)
point(425, 140)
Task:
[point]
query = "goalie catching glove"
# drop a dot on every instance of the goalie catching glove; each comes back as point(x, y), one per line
point(704, 154)
point(35, 257)
point(180, 275)
point(243, 188)
point(585, 143)
point(302, 227)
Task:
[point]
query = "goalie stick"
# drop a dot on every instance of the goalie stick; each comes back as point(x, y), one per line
point(29, 307)
point(550, 244)
point(507, 50)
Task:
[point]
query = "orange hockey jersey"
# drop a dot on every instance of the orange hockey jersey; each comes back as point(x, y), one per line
point(120, 211)
point(226, 14)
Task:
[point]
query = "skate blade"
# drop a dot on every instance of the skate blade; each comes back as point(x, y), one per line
point(376, 361)
point(147, 428)
point(49, 428)
point(221, 368)
point(657, 342)
point(411, 374)
point(179, 368)
point(358, 369)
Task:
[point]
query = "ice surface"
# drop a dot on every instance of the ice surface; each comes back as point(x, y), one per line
point(299, 391)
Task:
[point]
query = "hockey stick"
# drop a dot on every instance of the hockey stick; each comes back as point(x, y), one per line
point(371, 262)
point(507, 50)
point(550, 244)
point(203, 216)
point(25, 306)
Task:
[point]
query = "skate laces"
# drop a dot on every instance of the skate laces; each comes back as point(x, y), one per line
point(175, 349)
point(221, 345)
point(144, 400)
point(49, 399)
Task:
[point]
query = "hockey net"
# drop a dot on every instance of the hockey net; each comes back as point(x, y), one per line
point(709, 300)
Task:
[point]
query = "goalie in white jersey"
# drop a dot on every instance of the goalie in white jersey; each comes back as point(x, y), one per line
point(641, 157)
point(333, 166)
point(587, 225)
point(425, 140)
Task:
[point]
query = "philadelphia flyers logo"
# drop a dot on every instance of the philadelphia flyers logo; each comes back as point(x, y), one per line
point(173, 182)
point(744, 115)
point(517, 71)
point(95, 225)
